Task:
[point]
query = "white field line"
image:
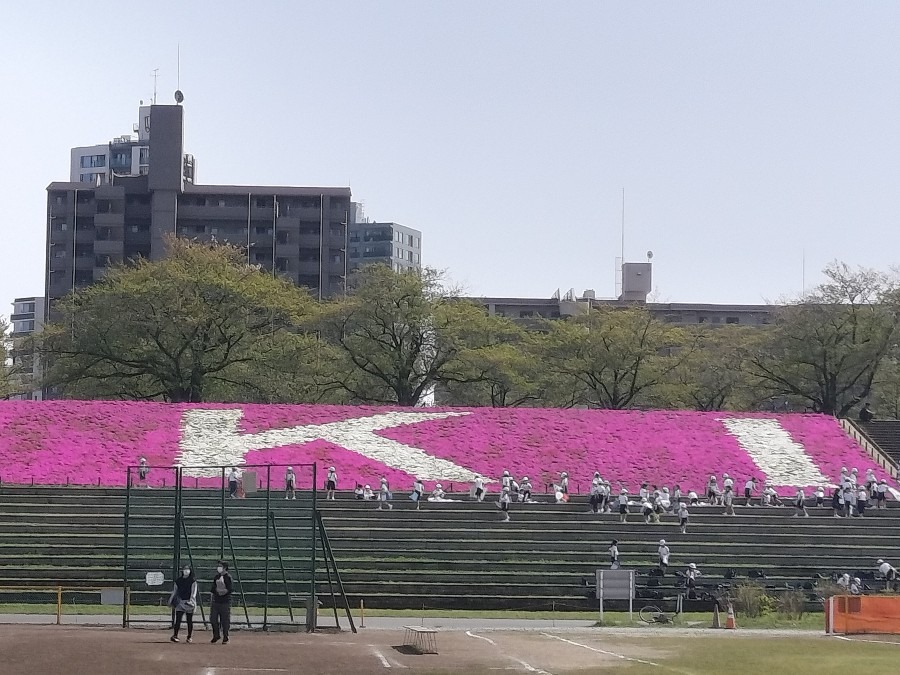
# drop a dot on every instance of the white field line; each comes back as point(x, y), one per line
point(527, 666)
point(614, 654)
point(880, 642)
point(380, 656)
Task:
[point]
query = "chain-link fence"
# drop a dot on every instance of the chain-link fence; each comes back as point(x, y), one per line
point(260, 519)
point(62, 604)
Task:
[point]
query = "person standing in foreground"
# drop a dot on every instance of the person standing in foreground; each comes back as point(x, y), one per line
point(184, 601)
point(663, 552)
point(220, 603)
point(479, 489)
point(728, 499)
point(418, 491)
point(749, 487)
point(888, 572)
point(683, 516)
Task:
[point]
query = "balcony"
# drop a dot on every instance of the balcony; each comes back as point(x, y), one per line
point(214, 212)
point(109, 219)
point(308, 267)
point(110, 248)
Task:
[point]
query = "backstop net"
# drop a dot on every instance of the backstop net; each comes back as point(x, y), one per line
point(854, 614)
point(197, 516)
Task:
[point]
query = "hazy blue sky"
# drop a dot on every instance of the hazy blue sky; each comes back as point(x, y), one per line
point(744, 133)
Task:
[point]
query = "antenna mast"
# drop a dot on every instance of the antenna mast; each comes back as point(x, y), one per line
point(155, 76)
point(178, 68)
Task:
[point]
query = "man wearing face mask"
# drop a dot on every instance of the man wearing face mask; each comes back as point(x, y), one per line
point(220, 603)
point(184, 600)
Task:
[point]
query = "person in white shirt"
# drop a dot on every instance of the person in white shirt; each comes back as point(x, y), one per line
point(479, 486)
point(856, 586)
point(693, 498)
point(888, 573)
point(849, 500)
point(623, 505)
point(676, 494)
point(438, 493)
point(525, 489)
point(881, 494)
point(691, 574)
point(290, 484)
point(143, 471)
point(614, 555)
point(644, 492)
point(820, 496)
point(871, 481)
point(770, 497)
point(417, 493)
point(384, 495)
point(712, 490)
point(749, 489)
point(844, 581)
point(504, 504)
point(596, 488)
point(800, 504)
point(233, 483)
point(683, 516)
point(854, 476)
point(728, 482)
point(368, 495)
point(358, 491)
point(505, 480)
point(728, 498)
point(862, 500)
point(330, 483)
point(564, 484)
point(662, 552)
point(647, 511)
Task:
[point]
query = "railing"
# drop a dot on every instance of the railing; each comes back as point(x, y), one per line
point(860, 436)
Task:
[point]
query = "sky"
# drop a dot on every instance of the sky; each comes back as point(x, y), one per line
point(754, 140)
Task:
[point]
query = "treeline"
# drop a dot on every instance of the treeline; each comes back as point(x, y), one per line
point(201, 325)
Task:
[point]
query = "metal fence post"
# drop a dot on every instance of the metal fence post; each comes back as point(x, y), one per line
point(266, 569)
point(125, 548)
point(312, 581)
point(222, 519)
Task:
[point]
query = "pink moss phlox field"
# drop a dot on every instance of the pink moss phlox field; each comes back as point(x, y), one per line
point(91, 443)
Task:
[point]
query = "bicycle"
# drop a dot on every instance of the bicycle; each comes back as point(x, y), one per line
point(651, 614)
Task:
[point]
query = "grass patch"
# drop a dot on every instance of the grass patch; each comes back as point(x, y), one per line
point(819, 655)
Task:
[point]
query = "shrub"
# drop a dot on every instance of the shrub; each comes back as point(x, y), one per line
point(751, 599)
point(792, 604)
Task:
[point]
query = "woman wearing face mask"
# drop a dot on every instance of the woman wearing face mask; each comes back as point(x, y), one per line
point(184, 600)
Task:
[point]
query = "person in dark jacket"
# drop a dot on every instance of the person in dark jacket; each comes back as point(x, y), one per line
point(220, 603)
point(184, 601)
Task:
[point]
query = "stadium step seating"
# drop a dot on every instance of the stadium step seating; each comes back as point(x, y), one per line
point(885, 434)
point(446, 555)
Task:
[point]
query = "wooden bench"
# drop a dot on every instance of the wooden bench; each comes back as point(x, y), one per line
point(421, 639)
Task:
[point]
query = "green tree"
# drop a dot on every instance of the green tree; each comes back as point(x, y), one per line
point(501, 371)
point(400, 335)
point(613, 358)
point(827, 348)
point(7, 369)
point(714, 375)
point(194, 326)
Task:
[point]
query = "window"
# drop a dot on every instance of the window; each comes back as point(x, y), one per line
point(23, 326)
point(24, 307)
point(409, 256)
point(60, 253)
point(418, 243)
point(409, 240)
point(261, 202)
point(732, 319)
point(281, 264)
point(144, 153)
point(214, 230)
point(63, 227)
point(416, 258)
point(398, 237)
point(92, 161)
point(263, 230)
point(525, 314)
point(701, 319)
point(199, 229)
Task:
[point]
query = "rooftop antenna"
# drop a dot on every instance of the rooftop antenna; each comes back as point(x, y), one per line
point(178, 68)
point(155, 76)
point(623, 225)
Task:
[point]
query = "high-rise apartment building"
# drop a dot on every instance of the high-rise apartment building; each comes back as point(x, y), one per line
point(390, 244)
point(126, 155)
point(27, 318)
point(297, 232)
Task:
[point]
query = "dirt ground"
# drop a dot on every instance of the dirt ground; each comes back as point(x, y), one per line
point(64, 650)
